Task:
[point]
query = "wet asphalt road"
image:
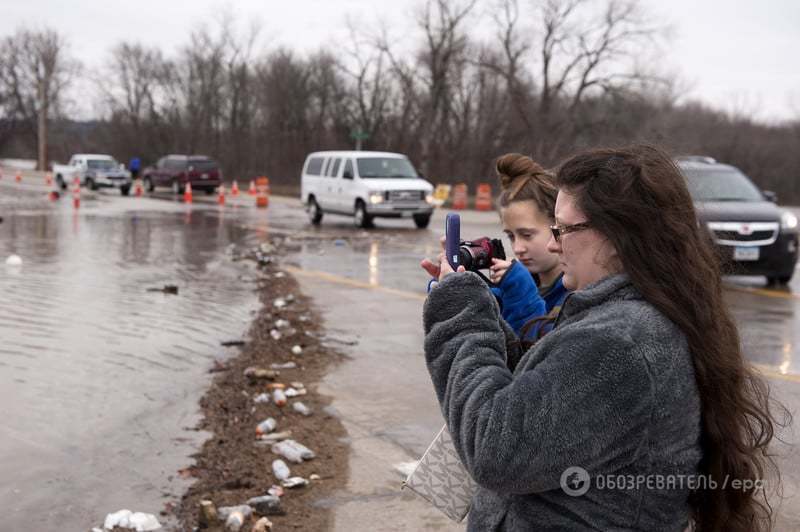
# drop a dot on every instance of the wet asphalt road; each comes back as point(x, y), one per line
point(80, 419)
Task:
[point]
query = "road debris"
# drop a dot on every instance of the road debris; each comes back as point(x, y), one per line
point(285, 365)
point(266, 426)
point(294, 482)
point(167, 289)
point(232, 343)
point(262, 525)
point(261, 398)
point(254, 373)
point(301, 409)
point(279, 397)
point(267, 505)
point(138, 521)
point(280, 470)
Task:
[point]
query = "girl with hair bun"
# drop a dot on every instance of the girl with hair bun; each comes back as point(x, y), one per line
point(528, 288)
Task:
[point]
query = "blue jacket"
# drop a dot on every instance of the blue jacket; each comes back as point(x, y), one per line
point(521, 300)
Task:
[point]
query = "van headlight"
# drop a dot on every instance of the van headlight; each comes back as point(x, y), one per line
point(429, 199)
point(788, 221)
point(376, 197)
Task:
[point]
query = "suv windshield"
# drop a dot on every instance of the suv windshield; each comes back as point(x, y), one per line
point(102, 164)
point(720, 184)
point(385, 167)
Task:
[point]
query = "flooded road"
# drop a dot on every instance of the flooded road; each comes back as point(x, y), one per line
point(98, 376)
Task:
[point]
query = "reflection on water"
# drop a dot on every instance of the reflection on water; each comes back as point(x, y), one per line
point(95, 371)
point(768, 329)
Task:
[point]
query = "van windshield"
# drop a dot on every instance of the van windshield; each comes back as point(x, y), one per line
point(395, 167)
point(720, 184)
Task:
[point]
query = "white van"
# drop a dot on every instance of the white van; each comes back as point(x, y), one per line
point(365, 185)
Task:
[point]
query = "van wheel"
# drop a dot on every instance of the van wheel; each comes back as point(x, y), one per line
point(125, 190)
point(314, 212)
point(422, 220)
point(362, 219)
point(90, 184)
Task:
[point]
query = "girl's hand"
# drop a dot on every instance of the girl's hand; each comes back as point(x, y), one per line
point(498, 269)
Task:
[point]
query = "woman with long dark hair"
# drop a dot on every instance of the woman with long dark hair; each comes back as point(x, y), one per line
point(638, 411)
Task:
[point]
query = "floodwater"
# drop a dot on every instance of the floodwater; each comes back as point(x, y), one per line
point(99, 377)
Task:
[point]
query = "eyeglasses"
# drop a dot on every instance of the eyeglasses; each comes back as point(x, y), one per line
point(560, 229)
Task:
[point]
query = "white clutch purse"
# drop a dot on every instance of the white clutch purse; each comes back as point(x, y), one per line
point(441, 479)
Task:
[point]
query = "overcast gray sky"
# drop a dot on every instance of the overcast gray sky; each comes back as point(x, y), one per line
point(733, 54)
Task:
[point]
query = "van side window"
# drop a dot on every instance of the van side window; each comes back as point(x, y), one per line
point(314, 166)
point(348, 169)
point(334, 171)
point(325, 166)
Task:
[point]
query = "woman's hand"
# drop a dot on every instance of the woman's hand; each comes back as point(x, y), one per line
point(445, 269)
point(498, 269)
point(433, 267)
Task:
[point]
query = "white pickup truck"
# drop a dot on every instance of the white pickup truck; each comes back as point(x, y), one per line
point(94, 171)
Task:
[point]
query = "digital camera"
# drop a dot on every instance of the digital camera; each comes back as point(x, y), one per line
point(477, 254)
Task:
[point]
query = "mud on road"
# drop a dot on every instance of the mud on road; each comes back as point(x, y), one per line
point(232, 466)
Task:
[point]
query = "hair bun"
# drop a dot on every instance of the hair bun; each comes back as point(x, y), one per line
point(514, 165)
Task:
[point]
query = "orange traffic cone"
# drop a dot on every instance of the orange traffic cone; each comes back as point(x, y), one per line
point(235, 189)
point(76, 193)
point(187, 193)
point(252, 191)
point(262, 199)
point(221, 195)
point(19, 177)
point(138, 189)
point(48, 179)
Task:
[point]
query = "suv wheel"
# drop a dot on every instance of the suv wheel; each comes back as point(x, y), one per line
point(362, 219)
point(61, 183)
point(314, 212)
point(422, 220)
point(125, 190)
point(779, 279)
point(148, 184)
point(176, 187)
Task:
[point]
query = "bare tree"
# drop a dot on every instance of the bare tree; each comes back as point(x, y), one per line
point(34, 71)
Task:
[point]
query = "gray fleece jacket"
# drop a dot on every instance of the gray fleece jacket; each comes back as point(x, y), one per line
point(611, 390)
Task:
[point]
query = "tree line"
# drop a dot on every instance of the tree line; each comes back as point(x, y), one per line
point(543, 78)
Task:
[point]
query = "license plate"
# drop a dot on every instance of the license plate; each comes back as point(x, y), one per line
point(204, 176)
point(743, 253)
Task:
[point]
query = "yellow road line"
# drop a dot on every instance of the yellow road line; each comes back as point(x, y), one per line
point(352, 282)
point(769, 371)
point(763, 292)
